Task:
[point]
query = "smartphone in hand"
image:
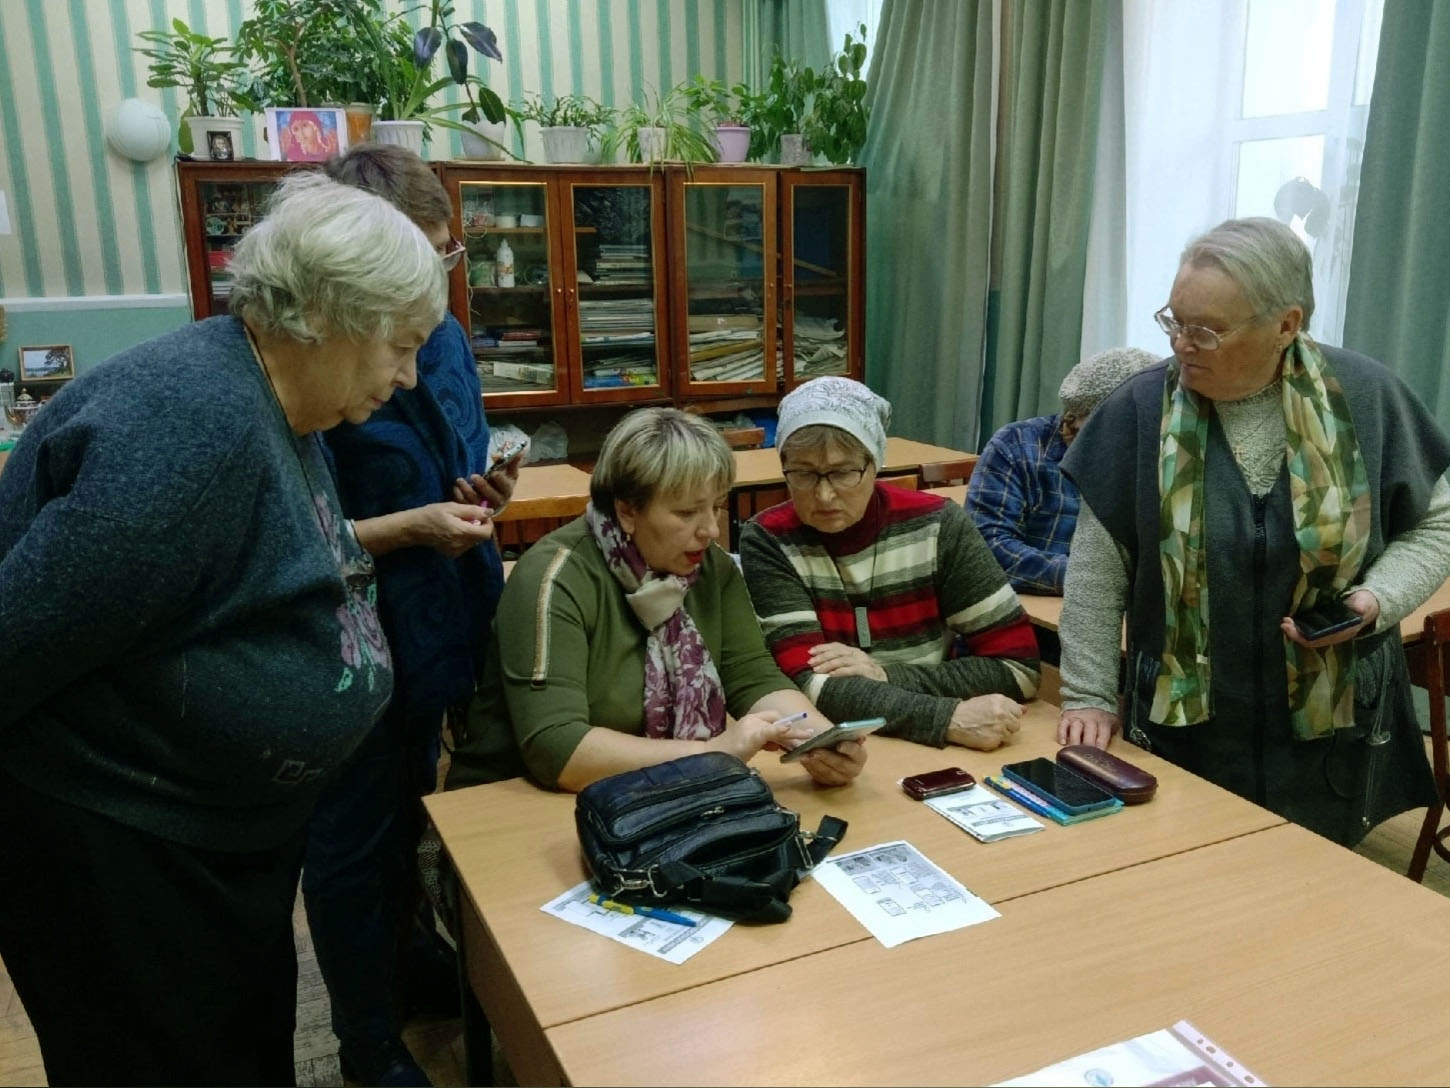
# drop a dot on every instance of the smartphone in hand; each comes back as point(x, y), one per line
point(829, 738)
point(508, 452)
point(1328, 617)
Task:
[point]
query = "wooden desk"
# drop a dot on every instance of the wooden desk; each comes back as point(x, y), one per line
point(531, 972)
point(956, 492)
point(548, 491)
point(1310, 964)
point(759, 468)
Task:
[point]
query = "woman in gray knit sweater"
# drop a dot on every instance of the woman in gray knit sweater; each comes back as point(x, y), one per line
point(1250, 477)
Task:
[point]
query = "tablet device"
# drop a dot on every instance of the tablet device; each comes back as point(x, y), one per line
point(829, 738)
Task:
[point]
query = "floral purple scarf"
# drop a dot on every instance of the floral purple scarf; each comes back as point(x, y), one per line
point(683, 697)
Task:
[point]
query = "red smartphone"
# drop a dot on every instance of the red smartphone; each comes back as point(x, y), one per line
point(936, 783)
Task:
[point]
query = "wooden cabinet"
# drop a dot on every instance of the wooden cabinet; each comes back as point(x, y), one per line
point(715, 287)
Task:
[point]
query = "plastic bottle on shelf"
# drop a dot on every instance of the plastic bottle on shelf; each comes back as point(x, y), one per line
point(504, 263)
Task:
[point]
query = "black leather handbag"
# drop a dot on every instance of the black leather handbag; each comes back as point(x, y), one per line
point(702, 831)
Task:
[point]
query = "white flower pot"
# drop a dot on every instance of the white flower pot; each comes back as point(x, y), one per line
point(204, 146)
point(407, 134)
point(565, 144)
point(651, 144)
point(732, 142)
point(793, 150)
point(476, 143)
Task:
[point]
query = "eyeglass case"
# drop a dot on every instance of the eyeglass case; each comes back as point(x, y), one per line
point(1119, 777)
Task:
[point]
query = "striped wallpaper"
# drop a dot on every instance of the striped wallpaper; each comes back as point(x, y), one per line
point(87, 222)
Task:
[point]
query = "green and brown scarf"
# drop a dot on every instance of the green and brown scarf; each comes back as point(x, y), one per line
point(1331, 502)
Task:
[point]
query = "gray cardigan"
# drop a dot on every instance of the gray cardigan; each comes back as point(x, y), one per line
point(178, 650)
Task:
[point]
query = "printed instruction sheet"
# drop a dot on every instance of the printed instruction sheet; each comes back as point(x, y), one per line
point(898, 894)
point(667, 940)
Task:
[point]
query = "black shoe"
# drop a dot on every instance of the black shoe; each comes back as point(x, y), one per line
point(384, 1063)
point(431, 985)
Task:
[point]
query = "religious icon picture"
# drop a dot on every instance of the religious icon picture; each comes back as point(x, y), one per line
point(295, 134)
point(219, 146)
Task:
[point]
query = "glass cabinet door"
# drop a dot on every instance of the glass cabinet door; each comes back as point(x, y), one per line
point(228, 210)
point(726, 233)
point(619, 301)
point(511, 314)
point(821, 319)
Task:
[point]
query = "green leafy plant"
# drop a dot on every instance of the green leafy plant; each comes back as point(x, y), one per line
point(562, 111)
point(681, 138)
point(782, 105)
point(205, 68)
point(309, 53)
point(836, 124)
point(405, 84)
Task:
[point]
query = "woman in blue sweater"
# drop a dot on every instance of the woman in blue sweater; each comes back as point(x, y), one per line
point(190, 646)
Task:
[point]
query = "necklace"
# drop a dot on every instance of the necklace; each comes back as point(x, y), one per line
point(357, 568)
point(863, 621)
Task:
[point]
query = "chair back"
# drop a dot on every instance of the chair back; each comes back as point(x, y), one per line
point(1429, 667)
point(939, 473)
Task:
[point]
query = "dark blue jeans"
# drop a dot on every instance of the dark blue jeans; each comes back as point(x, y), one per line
point(359, 875)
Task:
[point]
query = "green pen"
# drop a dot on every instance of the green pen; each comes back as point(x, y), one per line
point(644, 912)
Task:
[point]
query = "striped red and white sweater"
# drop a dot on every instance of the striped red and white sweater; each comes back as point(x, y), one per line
point(920, 566)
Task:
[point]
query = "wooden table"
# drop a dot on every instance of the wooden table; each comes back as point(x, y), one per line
point(548, 491)
point(533, 973)
point(759, 468)
point(1309, 964)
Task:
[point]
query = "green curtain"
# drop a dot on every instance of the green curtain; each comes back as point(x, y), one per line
point(1053, 58)
point(800, 29)
point(928, 157)
point(1396, 309)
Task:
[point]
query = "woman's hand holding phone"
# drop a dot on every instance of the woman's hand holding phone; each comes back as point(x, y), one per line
point(1338, 620)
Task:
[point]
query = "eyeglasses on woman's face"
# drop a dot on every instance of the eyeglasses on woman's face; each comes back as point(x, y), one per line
point(451, 252)
point(1204, 339)
point(840, 479)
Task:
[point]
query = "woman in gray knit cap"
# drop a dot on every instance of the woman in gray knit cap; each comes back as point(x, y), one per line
point(1022, 503)
point(1253, 476)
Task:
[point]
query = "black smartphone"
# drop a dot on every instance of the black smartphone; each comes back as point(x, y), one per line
point(1328, 617)
point(1068, 791)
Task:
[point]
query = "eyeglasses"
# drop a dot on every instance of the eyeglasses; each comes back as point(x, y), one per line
point(1202, 338)
point(452, 254)
point(841, 479)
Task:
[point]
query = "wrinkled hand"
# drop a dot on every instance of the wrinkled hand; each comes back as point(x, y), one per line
point(450, 527)
point(1361, 600)
point(836, 766)
point(984, 722)
point(1086, 726)
point(838, 659)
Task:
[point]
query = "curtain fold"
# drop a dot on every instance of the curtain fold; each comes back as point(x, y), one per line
point(928, 159)
point(1054, 54)
point(1399, 278)
point(800, 29)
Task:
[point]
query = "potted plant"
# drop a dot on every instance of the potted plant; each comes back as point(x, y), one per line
point(835, 128)
point(664, 129)
point(787, 95)
point(567, 124)
point(731, 112)
point(402, 63)
point(208, 70)
point(309, 53)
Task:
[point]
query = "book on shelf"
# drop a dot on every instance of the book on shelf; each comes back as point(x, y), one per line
point(527, 372)
point(706, 322)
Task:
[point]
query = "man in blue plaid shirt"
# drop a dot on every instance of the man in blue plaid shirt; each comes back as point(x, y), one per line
point(1024, 506)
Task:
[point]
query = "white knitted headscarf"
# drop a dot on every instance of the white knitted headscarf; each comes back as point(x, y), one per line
point(836, 402)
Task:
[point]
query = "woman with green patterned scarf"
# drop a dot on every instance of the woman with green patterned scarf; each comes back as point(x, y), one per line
point(1249, 477)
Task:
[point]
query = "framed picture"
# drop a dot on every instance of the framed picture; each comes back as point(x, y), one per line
point(219, 145)
point(47, 362)
point(297, 134)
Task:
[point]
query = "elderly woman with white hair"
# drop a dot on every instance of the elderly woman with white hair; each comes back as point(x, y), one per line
point(879, 601)
point(1250, 480)
point(631, 637)
point(190, 646)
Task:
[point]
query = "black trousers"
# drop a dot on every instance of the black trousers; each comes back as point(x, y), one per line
point(143, 961)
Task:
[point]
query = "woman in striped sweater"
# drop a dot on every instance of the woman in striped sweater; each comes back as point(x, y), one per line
point(864, 590)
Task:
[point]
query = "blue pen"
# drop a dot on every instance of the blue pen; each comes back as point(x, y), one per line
point(644, 912)
point(1008, 790)
point(799, 716)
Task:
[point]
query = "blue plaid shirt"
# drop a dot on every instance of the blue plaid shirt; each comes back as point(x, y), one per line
point(1024, 506)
